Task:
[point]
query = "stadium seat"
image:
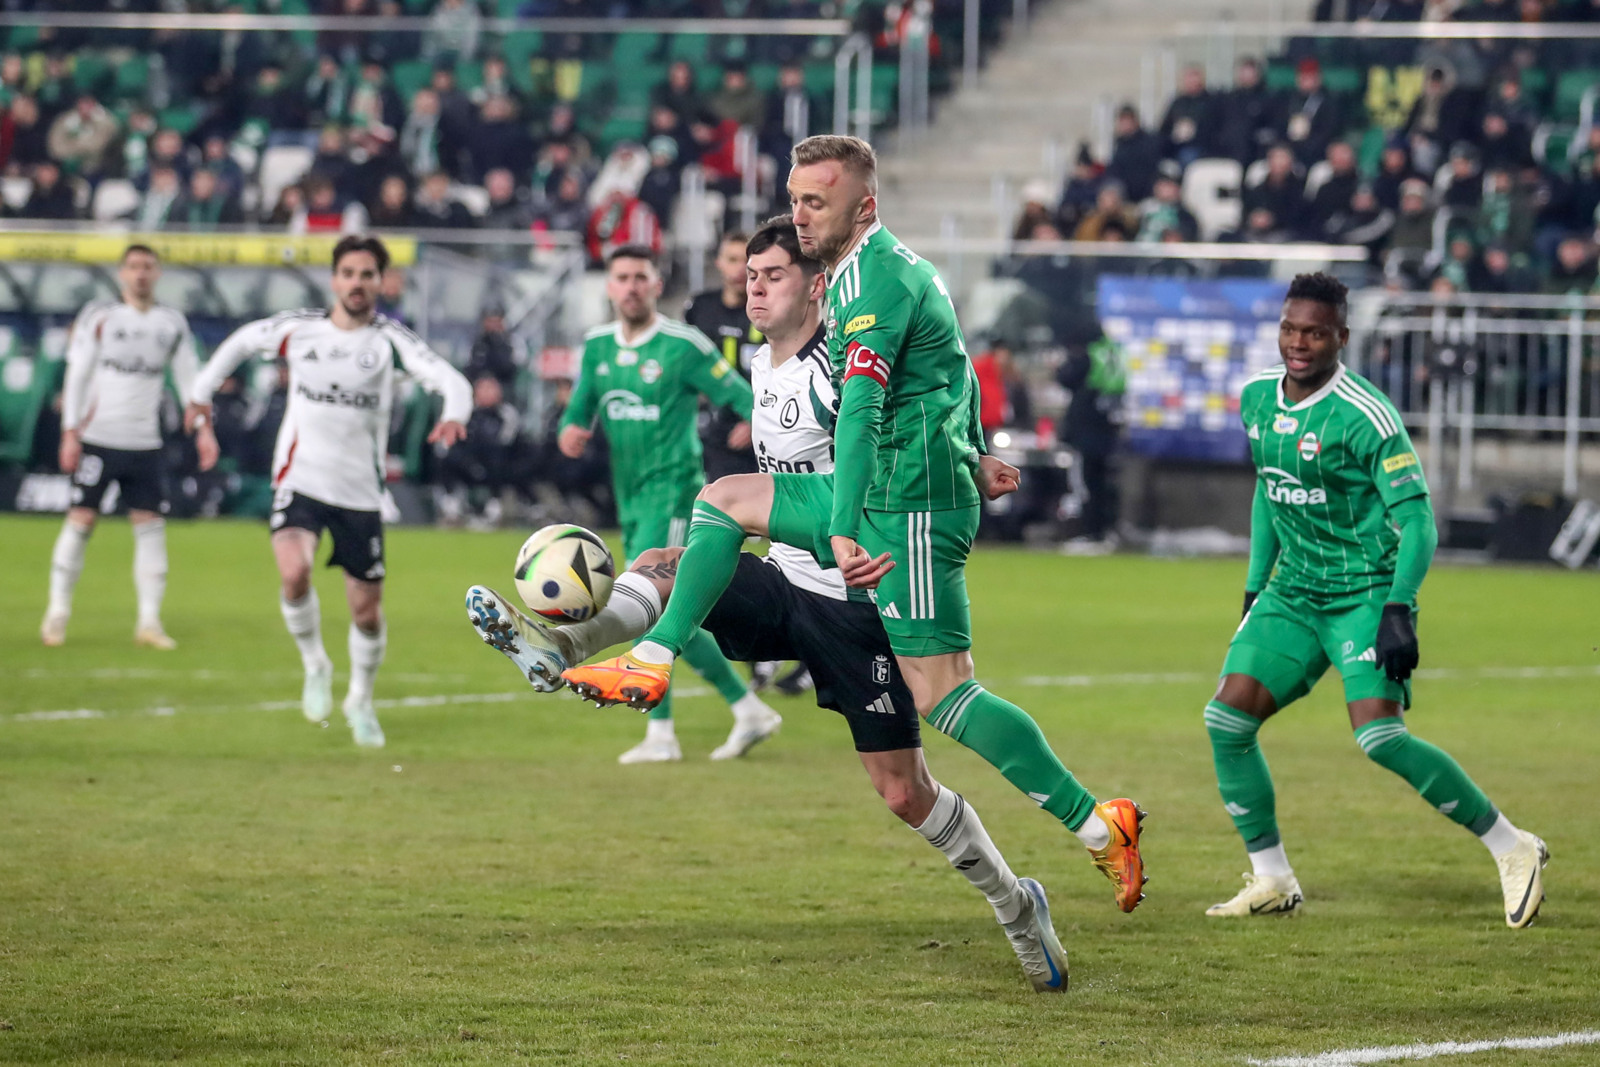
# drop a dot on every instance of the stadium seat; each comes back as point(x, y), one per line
point(1570, 88)
point(282, 166)
point(1211, 190)
point(408, 76)
point(1317, 176)
point(690, 46)
point(116, 198)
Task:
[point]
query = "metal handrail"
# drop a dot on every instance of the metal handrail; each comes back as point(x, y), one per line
point(106, 20)
point(1379, 31)
point(1143, 249)
point(857, 120)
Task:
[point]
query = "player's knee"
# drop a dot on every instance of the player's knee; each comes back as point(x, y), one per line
point(82, 518)
point(1245, 694)
point(903, 797)
point(296, 583)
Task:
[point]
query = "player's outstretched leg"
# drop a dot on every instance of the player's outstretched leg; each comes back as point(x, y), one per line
point(1249, 798)
point(1011, 741)
point(66, 564)
point(1443, 784)
point(525, 641)
point(640, 676)
point(150, 581)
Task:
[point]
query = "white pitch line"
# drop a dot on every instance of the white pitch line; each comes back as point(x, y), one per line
point(1040, 681)
point(1385, 1054)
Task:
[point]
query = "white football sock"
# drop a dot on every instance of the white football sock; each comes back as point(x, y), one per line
point(366, 653)
point(634, 607)
point(66, 563)
point(1500, 838)
point(659, 730)
point(953, 828)
point(150, 570)
point(650, 652)
point(303, 617)
point(1271, 863)
point(1094, 833)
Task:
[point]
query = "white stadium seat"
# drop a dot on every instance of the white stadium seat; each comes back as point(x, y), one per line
point(1211, 191)
point(281, 166)
point(475, 198)
point(115, 199)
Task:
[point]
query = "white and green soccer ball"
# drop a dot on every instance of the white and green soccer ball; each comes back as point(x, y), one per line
point(564, 573)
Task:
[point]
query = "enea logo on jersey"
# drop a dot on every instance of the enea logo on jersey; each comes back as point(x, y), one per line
point(1310, 447)
point(1285, 488)
point(1285, 424)
point(621, 405)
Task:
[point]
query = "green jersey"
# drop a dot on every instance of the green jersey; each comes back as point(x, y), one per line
point(646, 393)
point(908, 436)
point(1329, 470)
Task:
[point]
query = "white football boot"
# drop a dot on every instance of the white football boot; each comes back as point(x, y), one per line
point(316, 696)
point(1263, 894)
point(528, 643)
point(653, 750)
point(1522, 880)
point(363, 722)
point(1034, 940)
point(53, 630)
point(154, 637)
point(753, 723)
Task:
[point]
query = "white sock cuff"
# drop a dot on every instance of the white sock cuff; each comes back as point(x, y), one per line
point(944, 817)
point(1271, 862)
point(1500, 838)
point(367, 649)
point(641, 590)
point(149, 529)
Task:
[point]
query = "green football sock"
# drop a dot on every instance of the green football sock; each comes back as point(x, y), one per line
point(704, 571)
point(663, 710)
point(1430, 770)
point(1012, 742)
point(704, 656)
point(1242, 776)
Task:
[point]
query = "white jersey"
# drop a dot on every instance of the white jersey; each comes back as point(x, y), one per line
point(791, 428)
point(334, 438)
point(117, 363)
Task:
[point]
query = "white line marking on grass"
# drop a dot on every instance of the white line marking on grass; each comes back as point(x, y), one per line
point(1040, 681)
point(201, 674)
point(1385, 1054)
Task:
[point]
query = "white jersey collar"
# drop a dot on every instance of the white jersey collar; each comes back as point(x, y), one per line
point(855, 250)
point(643, 338)
point(1326, 390)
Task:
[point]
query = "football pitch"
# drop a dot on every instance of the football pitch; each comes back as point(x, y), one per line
point(190, 872)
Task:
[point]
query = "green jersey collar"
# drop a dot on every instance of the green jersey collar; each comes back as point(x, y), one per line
point(855, 250)
point(1325, 391)
point(643, 339)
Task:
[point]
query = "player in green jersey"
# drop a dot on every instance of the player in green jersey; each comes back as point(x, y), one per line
point(898, 514)
point(642, 378)
point(1341, 535)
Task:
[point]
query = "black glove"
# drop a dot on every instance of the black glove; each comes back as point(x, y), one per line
point(1249, 598)
point(1396, 643)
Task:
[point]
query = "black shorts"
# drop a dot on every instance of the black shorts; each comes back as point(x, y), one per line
point(357, 535)
point(141, 478)
point(761, 616)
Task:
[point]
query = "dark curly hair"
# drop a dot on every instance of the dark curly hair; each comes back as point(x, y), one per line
point(1324, 289)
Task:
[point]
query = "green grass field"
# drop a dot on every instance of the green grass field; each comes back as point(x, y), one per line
point(189, 871)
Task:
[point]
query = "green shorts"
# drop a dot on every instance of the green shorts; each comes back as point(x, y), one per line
point(656, 519)
point(1287, 644)
point(922, 602)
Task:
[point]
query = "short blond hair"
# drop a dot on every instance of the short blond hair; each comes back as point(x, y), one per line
point(854, 154)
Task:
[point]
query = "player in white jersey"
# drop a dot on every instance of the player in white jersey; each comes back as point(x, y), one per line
point(328, 466)
point(117, 363)
point(787, 606)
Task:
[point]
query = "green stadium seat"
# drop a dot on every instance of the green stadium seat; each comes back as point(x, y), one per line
point(408, 76)
point(26, 385)
point(1280, 77)
point(691, 46)
point(635, 48)
point(1369, 149)
point(132, 79)
point(469, 75)
point(764, 76)
point(621, 127)
point(1570, 88)
point(635, 83)
point(1536, 84)
point(91, 72)
point(885, 89)
point(1347, 81)
point(183, 119)
point(519, 49)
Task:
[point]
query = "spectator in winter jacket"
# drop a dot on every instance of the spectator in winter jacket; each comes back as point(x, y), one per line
point(738, 100)
point(22, 137)
point(500, 140)
point(1245, 115)
point(436, 208)
point(1281, 190)
point(1333, 195)
point(1363, 222)
point(1134, 154)
point(51, 197)
point(80, 138)
point(662, 182)
point(1311, 118)
point(1164, 212)
point(1187, 128)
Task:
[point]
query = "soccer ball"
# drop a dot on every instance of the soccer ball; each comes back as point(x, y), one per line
point(564, 573)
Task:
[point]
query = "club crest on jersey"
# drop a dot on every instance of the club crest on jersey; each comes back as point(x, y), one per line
point(1285, 488)
point(1309, 446)
point(880, 669)
point(627, 357)
point(789, 417)
point(1285, 424)
point(367, 359)
point(650, 372)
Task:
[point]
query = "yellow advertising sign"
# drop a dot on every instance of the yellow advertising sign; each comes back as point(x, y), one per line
point(209, 249)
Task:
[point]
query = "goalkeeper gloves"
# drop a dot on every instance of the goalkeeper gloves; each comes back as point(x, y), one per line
point(1249, 598)
point(1396, 643)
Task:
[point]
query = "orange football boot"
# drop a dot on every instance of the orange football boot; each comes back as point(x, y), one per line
point(1120, 860)
point(623, 680)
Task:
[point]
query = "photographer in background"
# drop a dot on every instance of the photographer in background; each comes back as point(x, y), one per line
point(1095, 375)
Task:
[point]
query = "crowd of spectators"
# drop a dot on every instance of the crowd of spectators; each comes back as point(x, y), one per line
point(538, 146)
point(1441, 183)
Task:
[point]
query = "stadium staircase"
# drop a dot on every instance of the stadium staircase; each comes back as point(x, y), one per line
point(1040, 89)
